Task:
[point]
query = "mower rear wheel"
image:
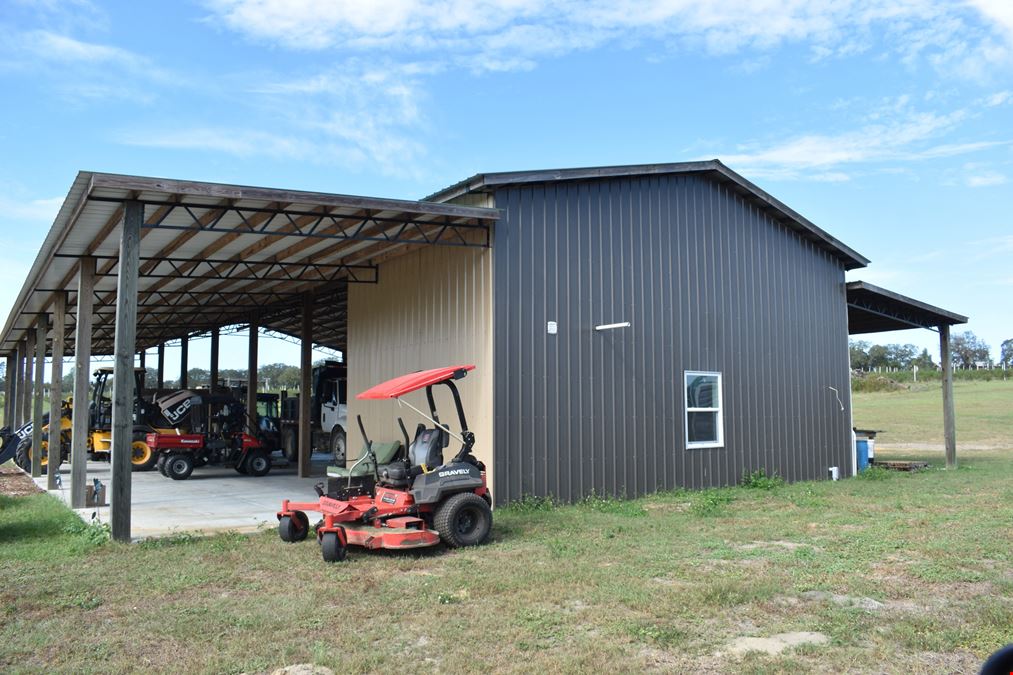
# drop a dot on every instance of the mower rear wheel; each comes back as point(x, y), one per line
point(179, 466)
point(293, 528)
point(465, 519)
point(331, 548)
point(258, 463)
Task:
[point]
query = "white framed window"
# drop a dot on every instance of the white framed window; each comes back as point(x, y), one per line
point(704, 418)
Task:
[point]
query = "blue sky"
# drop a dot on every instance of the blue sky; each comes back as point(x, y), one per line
point(887, 123)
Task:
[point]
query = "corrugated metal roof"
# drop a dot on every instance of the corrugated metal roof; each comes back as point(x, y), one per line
point(872, 309)
point(484, 182)
point(214, 255)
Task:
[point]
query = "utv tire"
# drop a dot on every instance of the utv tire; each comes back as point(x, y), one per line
point(179, 466)
point(290, 445)
point(257, 463)
point(465, 519)
point(331, 548)
point(339, 448)
point(241, 467)
point(293, 528)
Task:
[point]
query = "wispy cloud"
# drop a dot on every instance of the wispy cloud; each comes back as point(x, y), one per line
point(892, 132)
point(501, 34)
point(31, 210)
point(986, 179)
point(353, 115)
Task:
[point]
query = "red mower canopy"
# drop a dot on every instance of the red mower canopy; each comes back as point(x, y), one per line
point(406, 384)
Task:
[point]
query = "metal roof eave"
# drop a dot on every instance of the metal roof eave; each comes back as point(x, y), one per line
point(121, 188)
point(893, 311)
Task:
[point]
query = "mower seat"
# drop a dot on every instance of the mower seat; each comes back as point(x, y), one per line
point(385, 453)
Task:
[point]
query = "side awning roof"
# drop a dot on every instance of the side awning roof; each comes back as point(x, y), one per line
point(872, 309)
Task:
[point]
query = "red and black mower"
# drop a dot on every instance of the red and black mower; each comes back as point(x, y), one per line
point(412, 502)
point(217, 435)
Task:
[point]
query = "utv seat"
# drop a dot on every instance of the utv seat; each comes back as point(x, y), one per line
point(385, 453)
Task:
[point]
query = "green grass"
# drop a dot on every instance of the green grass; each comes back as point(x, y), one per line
point(984, 414)
point(916, 573)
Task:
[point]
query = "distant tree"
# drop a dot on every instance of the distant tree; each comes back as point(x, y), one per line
point(198, 377)
point(879, 356)
point(924, 361)
point(859, 351)
point(1006, 353)
point(900, 356)
point(967, 349)
point(289, 378)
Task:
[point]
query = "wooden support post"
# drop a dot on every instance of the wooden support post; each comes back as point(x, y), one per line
point(26, 393)
point(161, 366)
point(82, 378)
point(949, 417)
point(215, 335)
point(305, 387)
point(38, 396)
point(9, 390)
point(251, 377)
point(56, 391)
point(184, 351)
point(19, 386)
point(123, 369)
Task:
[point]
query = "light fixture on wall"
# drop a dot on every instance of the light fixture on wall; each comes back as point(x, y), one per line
point(611, 326)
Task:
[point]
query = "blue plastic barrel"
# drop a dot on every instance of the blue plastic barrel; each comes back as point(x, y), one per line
point(862, 448)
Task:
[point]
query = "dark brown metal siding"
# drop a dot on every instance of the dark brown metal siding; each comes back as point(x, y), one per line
point(709, 283)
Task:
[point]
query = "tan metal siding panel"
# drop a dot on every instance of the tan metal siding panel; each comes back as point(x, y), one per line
point(431, 308)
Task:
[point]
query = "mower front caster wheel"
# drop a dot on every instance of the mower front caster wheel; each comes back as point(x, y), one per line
point(293, 528)
point(331, 547)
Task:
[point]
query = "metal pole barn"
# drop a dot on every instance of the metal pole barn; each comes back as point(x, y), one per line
point(123, 368)
point(82, 366)
point(56, 391)
point(305, 387)
point(41, 325)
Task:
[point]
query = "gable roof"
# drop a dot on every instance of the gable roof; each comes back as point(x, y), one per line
point(712, 169)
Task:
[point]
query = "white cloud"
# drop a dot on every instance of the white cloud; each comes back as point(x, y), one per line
point(33, 210)
point(986, 179)
point(893, 131)
point(504, 34)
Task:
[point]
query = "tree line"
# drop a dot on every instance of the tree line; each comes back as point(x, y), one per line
point(966, 349)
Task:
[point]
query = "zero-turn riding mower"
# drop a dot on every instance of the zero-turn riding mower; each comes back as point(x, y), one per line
point(18, 444)
point(415, 500)
point(217, 435)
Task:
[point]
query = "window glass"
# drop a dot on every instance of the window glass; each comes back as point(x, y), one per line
point(704, 424)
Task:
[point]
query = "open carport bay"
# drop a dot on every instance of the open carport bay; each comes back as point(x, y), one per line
point(213, 499)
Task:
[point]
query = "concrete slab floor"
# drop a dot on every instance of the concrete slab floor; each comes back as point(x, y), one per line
point(213, 499)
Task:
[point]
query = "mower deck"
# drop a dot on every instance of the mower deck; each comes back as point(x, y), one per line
point(373, 538)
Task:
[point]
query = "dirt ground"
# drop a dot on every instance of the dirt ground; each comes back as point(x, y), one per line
point(14, 482)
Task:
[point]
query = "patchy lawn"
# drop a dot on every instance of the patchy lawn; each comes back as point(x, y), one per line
point(888, 573)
